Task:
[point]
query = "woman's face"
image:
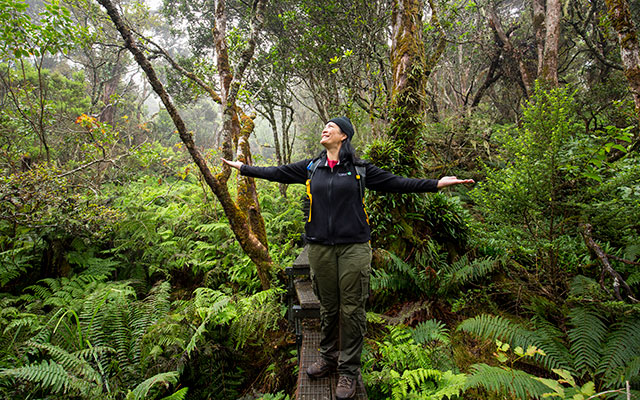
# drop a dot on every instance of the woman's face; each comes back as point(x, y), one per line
point(332, 135)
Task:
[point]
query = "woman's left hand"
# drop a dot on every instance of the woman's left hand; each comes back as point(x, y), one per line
point(233, 164)
point(452, 180)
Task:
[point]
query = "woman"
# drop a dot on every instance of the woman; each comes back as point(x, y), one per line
point(338, 234)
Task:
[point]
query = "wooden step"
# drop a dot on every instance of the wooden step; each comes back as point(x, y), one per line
point(306, 298)
point(302, 261)
point(323, 388)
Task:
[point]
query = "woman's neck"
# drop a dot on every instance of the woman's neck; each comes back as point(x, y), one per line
point(333, 154)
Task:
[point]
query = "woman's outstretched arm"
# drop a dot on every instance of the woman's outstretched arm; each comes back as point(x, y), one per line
point(289, 173)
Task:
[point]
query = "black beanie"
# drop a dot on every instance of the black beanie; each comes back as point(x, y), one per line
point(345, 125)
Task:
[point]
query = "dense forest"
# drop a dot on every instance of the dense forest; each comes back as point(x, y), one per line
point(134, 264)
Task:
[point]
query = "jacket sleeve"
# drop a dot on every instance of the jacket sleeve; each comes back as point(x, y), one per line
point(380, 180)
point(289, 173)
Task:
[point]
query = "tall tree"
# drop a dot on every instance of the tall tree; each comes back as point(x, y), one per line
point(396, 219)
point(620, 15)
point(244, 214)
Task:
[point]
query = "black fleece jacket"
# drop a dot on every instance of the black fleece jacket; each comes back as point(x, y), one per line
point(337, 215)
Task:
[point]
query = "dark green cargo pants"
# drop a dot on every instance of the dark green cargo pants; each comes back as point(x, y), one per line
point(340, 275)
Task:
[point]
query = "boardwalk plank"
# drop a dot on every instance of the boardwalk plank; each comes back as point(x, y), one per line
point(323, 388)
point(306, 298)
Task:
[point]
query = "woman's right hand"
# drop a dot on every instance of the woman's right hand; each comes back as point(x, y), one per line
point(233, 164)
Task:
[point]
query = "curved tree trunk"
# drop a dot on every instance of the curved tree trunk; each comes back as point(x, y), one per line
point(243, 217)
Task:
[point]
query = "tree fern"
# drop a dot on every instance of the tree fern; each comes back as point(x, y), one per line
point(506, 381)
point(587, 338)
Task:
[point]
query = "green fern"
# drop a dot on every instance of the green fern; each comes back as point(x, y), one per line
point(586, 338)
point(75, 364)
point(621, 349)
point(430, 331)
point(141, 391)
point(208, 304)
point(464, 271)
point(451, 386)
point(412, 380)
point(178, 395)
point(399, 275)
point(16, 262)
point(498, 328)
point(585, 287)
point(550, 339)
point(256, 316)
point(505, 381)
point(52, 377)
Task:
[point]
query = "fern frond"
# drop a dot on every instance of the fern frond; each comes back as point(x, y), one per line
point(505, 381)
point(546, 338)
point(208, 304)
point(551, 340)
point(141, 391)
point(450, 386)
point(622, 346)
point(413, 380)
point(582, 286)
point(70, 362)
point(587, 338)
point(256, 315)
point(15, 262)
point(398, 275)
point(51, 376)
point(631, 370)
point(430, 331)
point(463, 271)
point(492, 327)
point(179, 395)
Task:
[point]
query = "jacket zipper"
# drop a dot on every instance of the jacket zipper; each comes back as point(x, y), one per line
point(330, 213)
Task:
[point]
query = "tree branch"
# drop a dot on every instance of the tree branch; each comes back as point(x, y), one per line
point(618, 281)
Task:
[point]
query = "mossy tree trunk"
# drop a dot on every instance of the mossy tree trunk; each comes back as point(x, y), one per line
point(620, 15)
point(244, 214)
point(400, 152)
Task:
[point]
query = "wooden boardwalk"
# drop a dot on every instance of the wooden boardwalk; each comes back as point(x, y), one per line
point(305, 305)
point(323, 388)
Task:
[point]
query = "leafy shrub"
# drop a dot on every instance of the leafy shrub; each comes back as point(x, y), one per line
point(402, 365)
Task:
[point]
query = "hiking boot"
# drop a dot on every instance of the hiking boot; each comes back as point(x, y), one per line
point(320, 368)
point(346, 388)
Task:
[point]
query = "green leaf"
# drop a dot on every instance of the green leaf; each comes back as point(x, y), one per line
point(588, 389)
point(553, 385)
